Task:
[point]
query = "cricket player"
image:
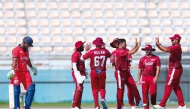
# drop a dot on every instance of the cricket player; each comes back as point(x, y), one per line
point(98, 58)
point(174, 73)
point(114, 44)
point(78, 73)
point(149, 70)
point(20, 73)
point(122, 73)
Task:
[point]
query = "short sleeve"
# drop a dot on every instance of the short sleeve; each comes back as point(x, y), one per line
point(15, 53)
point(140, 63)
point(87, 55)
point(158, 63)
point(75, 57)
point(124, 52)
point(173, 49)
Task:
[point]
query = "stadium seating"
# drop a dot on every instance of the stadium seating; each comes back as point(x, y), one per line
point(60, 23)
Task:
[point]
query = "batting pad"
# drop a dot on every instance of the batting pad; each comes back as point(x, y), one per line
point(29, 96)
point(16, 97)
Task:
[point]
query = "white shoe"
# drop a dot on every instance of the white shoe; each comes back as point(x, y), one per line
point(140, 104)
point(103, 102)
point(182, 107)
point(75, 108)
point(97, 108)
point(133, 107)
point(123, 107)
point(159, 107)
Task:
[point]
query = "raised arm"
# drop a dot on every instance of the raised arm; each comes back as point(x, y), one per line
point(161, 47)
point(85, 55)
point(136, 47)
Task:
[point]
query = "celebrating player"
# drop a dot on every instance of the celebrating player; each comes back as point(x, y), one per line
point(98, 58)
point(78, 74)
point(174, 73)
point(114, 44)
point(149, 70)
point(122, 73)
point(20, 74)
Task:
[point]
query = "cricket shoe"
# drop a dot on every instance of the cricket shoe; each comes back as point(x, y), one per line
point(182, 107)
point(97, 108)
point(123, 107)
point(24, 107)
point(159, 107)
point(140, 104)
point(76, 108)
point(103, 102)
point(133, 107)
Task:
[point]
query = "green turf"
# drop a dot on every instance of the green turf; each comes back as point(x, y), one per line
point(68, 104)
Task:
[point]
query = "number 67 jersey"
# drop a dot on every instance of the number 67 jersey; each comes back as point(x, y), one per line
point(98, 58)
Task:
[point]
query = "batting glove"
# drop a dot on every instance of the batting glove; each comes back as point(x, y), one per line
point(34, 71)
point(10, 74)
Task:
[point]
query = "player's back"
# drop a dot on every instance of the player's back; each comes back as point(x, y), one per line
point(98, 58)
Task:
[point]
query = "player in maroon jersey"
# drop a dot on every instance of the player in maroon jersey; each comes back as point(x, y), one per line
point(98, 58)
point(122, 73)
point(78, 74)
point(129, 81)
point(149, 70)
point(114, 44)
point(174, 73)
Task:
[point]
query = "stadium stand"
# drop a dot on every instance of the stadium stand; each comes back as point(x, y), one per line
point(56, 24)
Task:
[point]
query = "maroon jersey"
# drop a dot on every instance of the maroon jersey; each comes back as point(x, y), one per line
point(76, 59)
point(121, 59)
point(98, 58)
point(148, 65)
point(129, 57)
point(23, 57)
point(175, 56)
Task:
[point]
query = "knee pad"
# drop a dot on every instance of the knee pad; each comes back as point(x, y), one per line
point(16, 97)
point(29, 96)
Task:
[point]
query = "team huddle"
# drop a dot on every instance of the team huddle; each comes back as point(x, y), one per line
point(120, 58)
point(149, 69)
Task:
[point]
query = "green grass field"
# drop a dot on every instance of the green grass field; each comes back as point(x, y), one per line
point(68, 104)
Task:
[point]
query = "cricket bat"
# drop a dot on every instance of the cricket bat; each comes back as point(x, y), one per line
point(11, 96)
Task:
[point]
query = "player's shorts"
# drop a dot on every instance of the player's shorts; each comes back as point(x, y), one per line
point(23, 77)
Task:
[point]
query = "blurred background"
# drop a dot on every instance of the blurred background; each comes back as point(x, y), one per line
point(55, 25)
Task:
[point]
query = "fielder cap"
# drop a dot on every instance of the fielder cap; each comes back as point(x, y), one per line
point(175, 37)
point(78, 44)
point(148, 47)
point(98, 41)
point(114, 41)
point(28, 40)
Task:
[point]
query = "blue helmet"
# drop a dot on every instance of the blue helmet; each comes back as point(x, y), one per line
point(28, 40)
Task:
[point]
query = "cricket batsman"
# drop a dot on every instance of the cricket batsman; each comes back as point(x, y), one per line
point(122, 73)
point(78, 73)
point(98, 58)
point(174, 73)
point(114, 44)
point(149, 70)
point(20, 73)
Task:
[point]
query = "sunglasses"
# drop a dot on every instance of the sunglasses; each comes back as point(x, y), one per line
point(147, 49)
point(172, 40)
